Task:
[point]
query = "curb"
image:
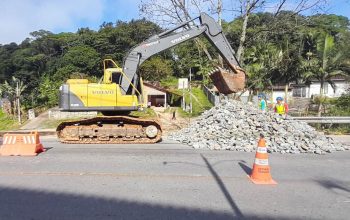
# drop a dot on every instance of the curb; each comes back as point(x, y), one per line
point(41, 132)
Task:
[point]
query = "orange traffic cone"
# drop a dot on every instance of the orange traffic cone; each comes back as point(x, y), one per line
point(21, 145)
point(261, 169)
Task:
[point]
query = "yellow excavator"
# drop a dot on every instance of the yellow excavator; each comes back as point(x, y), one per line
point(121, 89)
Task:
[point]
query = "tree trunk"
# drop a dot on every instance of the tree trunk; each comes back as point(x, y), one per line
point(319, 111)
point(240, 50)
point(14, 107)
point(204, 48)
point(250, 96)
point(19, 111)
point(219, 10)
point(286, 93)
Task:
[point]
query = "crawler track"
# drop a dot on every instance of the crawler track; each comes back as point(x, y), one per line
point(110, 130)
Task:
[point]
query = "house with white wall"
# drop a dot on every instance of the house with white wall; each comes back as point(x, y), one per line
point(313, 89)
point(271, 94)
point(297, 91)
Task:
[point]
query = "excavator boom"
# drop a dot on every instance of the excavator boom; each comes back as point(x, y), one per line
point(225, 81)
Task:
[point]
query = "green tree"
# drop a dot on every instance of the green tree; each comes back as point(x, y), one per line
point(84, 58)
point(156, 69)
point(324, 63)
point(262, 68)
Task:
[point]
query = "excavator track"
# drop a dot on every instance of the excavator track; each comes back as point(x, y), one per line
point(110, 130)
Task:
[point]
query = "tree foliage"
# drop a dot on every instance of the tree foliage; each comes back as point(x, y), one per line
point(279, 48)
point(156, 69)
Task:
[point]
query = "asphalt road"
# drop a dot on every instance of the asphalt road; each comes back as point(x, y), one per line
point(169, 181)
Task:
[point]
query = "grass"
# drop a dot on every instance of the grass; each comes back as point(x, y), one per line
point(200, 103)
point(336, 129)
point(7, 122)
point(170, 82)
point(146, 113)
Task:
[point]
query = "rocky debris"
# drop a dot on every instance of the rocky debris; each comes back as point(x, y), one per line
point(233, 125)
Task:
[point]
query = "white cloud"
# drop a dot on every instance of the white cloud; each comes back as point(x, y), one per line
point(20, 17)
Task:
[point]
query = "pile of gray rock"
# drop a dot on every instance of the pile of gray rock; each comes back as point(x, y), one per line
point(233, 125)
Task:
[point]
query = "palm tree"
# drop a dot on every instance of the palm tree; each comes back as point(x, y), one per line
point(323, 64)
point(263, 61)
point(13, 90)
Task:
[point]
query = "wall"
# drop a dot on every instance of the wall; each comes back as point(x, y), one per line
point(341, 88)
point(154, 92)
point(276, 93)
point(280, 93)
point(56, 114)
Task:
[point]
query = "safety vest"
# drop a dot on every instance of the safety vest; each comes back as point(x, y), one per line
point(280, 109)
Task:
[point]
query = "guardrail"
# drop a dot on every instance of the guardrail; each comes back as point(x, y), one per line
point(214, 99)
point(324, 120)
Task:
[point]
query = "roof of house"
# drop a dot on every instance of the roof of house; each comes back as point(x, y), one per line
point(280, 87)
point(155, 85)
point(335, 78)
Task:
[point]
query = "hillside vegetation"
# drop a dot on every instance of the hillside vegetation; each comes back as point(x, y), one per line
point(279, 49)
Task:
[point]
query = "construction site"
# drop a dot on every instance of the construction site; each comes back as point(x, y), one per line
point(199, 117)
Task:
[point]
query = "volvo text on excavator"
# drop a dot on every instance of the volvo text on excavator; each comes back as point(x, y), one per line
point(121, 89)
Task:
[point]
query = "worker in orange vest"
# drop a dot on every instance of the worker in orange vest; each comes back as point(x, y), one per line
point(281, 107)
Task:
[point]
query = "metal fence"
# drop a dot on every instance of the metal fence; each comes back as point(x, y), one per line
point(212, 97)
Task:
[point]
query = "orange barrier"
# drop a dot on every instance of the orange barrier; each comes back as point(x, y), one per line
point(261, 169)
point(21, 145)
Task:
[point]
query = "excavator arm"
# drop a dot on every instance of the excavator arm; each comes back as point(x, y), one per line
point(224, 81)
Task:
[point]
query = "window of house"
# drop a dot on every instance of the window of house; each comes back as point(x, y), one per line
point(299, 92)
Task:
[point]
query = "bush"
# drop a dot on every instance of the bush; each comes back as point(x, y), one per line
point(343, 101)
point(341, 106)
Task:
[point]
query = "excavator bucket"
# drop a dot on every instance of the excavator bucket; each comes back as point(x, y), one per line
point(228, 82)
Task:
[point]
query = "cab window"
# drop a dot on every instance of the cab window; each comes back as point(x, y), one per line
point(116, 77)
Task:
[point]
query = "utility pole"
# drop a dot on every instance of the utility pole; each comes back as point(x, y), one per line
point(190, 90)
point(183, 96)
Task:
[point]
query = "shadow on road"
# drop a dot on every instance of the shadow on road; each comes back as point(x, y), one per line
point(246, 169)
point(31, 204)
point(236, 211)
point(34, 204)
point(334, 185)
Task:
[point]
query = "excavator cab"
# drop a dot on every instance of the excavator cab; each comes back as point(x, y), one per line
point(111, 72)
point(112, 75)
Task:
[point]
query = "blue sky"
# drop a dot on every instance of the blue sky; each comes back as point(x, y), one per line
point(20, 17)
